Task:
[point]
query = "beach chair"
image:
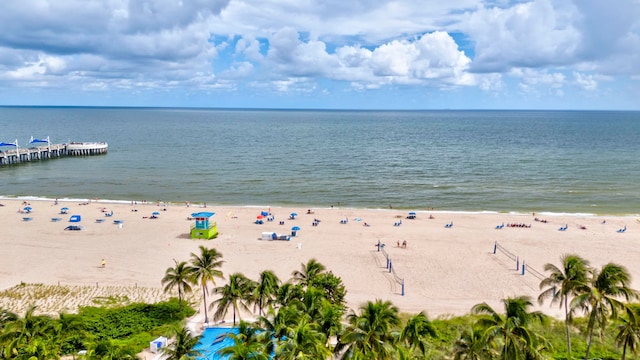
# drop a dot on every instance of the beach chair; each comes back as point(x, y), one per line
point(500, 226)
point(343, 221)
point(623, 229)
point(564, 228)
point(449, 225)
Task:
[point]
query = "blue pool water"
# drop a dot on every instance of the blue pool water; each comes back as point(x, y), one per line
point(208, 348)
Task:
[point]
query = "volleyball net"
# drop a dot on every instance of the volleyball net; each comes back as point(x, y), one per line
point(524, 268)
point(391, 268)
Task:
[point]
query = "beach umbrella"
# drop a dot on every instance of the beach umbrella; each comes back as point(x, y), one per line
point(412, 213)
point(294, 214)
point(156, 213)
point(28, 208)
point(296, 228)
point(65, 208)
point(259, 217)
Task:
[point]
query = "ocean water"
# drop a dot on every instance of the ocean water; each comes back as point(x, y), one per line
point(504, 161)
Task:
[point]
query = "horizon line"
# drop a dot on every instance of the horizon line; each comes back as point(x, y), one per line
point(297, 109)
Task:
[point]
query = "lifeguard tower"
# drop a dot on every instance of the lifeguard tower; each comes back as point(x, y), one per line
point(203, 228)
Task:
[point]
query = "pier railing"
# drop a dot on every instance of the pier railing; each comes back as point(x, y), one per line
point(20, 155)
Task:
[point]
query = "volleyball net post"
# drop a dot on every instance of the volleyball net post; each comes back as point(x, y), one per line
point(523, 268)
point(392, 271)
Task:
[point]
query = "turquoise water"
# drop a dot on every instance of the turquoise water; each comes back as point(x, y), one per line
point(208, 346)
point(522, 161)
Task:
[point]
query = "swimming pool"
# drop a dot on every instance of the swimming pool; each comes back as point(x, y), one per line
point(212, 340)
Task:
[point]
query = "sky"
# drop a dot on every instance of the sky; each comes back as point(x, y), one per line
point(330, 54)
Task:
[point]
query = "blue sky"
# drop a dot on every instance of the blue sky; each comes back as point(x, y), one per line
point(331, 54)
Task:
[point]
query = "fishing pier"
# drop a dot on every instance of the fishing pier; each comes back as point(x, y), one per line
point(49, 151)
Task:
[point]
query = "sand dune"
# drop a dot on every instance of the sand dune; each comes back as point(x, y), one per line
point(445, 270)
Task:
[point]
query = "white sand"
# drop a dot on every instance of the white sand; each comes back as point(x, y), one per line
point(446, 270)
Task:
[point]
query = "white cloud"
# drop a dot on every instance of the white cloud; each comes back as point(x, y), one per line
point(249, 47)
point(431, 59)
point(294, 46)
point(586, 82)
point(531, 34)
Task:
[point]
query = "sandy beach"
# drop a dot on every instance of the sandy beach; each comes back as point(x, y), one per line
point(446, 270)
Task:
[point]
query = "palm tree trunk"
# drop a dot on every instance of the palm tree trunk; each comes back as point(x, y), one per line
point(624, 351)
point(204, 299)
point(566, 324)
point(590, 325)
point(179, 298)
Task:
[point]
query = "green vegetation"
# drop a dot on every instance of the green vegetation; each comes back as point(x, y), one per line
point(306, 318)
point(121, 332)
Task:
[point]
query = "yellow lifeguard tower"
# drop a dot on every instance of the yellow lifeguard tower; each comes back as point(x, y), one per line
point(203, 228)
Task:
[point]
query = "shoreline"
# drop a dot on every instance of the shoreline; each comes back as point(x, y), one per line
point(418, 210)
point(446, 270)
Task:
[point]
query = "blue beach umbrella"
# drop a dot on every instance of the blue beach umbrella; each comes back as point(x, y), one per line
point(296, 228)
point(412, 213)
point(155, 213)
point(28, 208)
point(65, 209)
point(294, 214)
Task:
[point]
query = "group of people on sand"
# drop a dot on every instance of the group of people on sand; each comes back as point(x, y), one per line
point(540, 220)
point(404, 244)
point(519, 225)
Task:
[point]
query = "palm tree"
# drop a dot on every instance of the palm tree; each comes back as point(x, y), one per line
point(108, 350)
point(288, 292)
point(6, 316)
point(246, 345)
point(67, 326)
point(204, 269)
point(472, 345)
point(178, 278)
point(276, 324)
point(266, 289)
point(329, 318)
point(563, 284)
point(518, 342)
point(303, 341)
point(416, 330)
point(27, 333)
point(183, 347)
point(600, 299)
point(629, 330)
point(234, 294)
point(370, 333)
point(331, 285)
point(308, 272)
